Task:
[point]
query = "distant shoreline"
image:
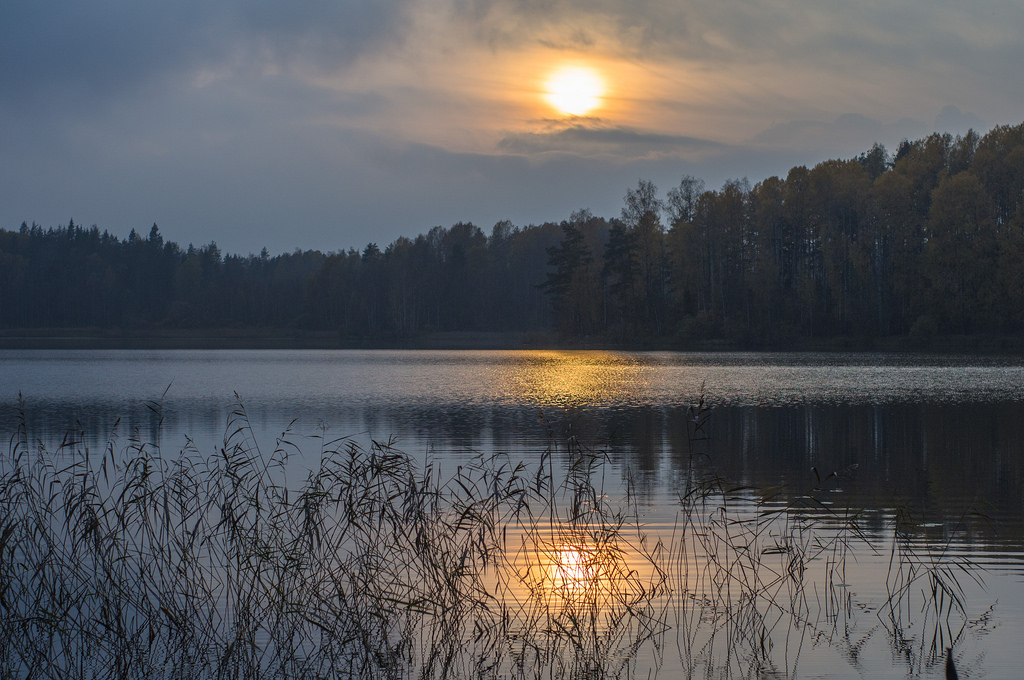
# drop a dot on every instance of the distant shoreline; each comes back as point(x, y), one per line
point(229, 339)
point(261, 339)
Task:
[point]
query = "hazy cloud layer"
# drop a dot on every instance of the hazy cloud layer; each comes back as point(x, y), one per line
point(844, 135)
point(331, 123)
point(119, 45)
point(620, 143)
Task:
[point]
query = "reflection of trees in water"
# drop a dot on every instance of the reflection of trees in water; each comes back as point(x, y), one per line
point(96, 423)
point(936, 460)
point(942, 459)
point(932, 459)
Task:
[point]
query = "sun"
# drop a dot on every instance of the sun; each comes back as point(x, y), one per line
point(574, 90)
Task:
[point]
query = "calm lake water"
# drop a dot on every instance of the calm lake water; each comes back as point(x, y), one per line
point(936, 439)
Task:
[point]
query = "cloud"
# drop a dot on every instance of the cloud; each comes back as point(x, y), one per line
point(101, 48)
point(953, 121)
point(615, 141)
point(850, 133)
point(569, 24)
point(743, 30)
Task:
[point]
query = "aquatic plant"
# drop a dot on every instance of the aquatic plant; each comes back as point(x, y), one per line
point(132, 563)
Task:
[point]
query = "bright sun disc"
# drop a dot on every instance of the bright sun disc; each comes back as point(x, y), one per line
point(574, 90)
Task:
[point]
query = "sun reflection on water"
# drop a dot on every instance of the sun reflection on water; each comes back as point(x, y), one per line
point(573, 379)
point(572, 568)
point(573, 571)
point(566, 575)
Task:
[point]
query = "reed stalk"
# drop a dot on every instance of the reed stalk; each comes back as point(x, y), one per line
point(133, 563)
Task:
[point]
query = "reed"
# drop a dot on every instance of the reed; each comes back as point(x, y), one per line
point(133, 563)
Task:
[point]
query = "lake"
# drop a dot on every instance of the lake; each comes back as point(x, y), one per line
point(920, 456)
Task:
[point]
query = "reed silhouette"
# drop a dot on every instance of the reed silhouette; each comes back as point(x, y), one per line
point(133, 562)
point(951, 673)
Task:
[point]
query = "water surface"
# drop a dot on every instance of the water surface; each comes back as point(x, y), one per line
point(935, 440)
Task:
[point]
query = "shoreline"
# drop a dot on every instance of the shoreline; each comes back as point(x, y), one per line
point(228, 339)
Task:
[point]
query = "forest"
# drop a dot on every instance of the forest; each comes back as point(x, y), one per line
point(924, 243)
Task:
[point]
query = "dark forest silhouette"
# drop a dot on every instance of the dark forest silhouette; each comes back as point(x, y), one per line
point(926, 243)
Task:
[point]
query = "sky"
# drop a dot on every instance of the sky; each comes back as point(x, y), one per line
point(330, 124)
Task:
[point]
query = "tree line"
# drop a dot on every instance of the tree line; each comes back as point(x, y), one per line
point(925, 242)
